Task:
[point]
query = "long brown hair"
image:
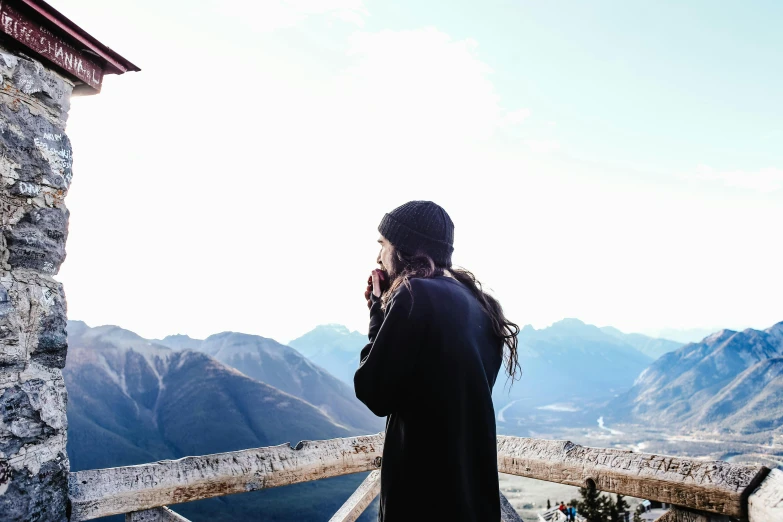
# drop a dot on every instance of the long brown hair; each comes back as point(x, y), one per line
point(406, 267)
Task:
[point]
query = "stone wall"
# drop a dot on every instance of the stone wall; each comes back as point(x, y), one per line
point(35, 172)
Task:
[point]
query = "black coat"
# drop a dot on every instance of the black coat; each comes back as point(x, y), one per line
point(430, 367)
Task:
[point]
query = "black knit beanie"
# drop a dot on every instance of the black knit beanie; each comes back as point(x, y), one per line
point(420, 226)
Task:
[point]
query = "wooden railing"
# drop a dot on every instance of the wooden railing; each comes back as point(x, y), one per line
point(702, 491)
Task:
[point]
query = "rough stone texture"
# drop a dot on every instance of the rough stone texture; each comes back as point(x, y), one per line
point(35, 172)
point(37, 241)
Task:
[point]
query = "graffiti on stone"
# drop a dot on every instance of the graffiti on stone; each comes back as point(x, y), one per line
point(35, 171)
point(25, 189)
point(39, 154)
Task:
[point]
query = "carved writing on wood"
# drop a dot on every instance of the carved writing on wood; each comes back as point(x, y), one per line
point(713, 486)
point(26, 30)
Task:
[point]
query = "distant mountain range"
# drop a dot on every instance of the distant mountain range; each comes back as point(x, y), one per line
point(649, 346)
point(729, 381)
point(682, 335)
point(133, 401)
point(571, 360)
point(334, 348)
point(566, 367)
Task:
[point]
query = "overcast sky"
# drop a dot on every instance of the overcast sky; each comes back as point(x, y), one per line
point(618, 162)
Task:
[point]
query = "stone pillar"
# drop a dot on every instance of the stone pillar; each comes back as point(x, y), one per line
point(35, 172)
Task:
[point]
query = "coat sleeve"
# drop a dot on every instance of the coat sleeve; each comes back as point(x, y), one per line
point(388, 361)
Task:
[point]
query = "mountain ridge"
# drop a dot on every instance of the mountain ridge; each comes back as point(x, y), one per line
point(694, 385)
point(283, 367)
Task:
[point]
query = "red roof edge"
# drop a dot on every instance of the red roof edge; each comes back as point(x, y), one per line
point(115, 64)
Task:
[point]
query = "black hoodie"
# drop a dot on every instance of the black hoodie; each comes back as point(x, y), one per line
point(430, 367)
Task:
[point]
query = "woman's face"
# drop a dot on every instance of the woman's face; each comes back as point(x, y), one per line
point(385, 255)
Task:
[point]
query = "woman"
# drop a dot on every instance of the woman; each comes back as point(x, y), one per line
point(436, 347)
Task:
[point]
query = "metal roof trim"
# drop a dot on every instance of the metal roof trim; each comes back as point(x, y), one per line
point(115, 63)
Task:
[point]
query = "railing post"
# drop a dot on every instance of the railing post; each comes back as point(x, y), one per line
point(360, 499)
point(507, 511)
point(766, 503)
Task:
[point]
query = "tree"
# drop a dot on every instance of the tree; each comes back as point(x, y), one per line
point(614, 511)
point(592, 504)
point(609, 509)
point(622, 505)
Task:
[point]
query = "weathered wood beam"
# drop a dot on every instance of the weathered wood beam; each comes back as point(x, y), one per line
point(766, 503)
point(713, 486)
point(360, 499)
point(158, 514)
point(101, 492)
point(709, 486)
point(507, 511)
point(678, 514)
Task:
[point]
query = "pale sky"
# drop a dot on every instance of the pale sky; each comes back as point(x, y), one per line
point(618, 162)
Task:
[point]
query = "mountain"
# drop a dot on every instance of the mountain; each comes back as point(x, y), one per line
point(649, 346)
point(564, 368)
point(571, 359)
point(751, 403)
point(286, 369)
point(568, 369)
point(334, 348)
point(133, 401)
point(730, 380)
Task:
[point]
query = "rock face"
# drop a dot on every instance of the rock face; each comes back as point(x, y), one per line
point(166, 403)
point(35, 172)
point(729, 381)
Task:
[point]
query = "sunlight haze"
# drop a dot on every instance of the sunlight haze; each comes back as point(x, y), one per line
point(621, 166)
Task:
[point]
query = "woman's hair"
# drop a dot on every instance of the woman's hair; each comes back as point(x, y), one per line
point(406, 267)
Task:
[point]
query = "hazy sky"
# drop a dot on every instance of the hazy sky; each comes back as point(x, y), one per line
point(618, 162)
